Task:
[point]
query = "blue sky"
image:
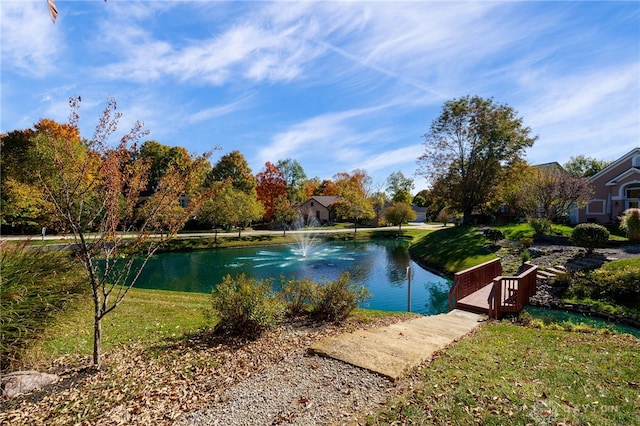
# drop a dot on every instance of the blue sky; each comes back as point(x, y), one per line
point(334, 85)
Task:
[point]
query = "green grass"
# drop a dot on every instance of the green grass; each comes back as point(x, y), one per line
point(451, 249)
point(147, 316)
point(509, 374)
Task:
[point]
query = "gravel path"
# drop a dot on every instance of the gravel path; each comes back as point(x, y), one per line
point(300, 390)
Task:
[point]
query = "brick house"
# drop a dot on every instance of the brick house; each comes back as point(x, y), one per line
point(615, 189)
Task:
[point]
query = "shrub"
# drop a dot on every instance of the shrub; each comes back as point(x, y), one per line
point(36, 285)
point(493, 235)
point(540, 226)
point(630, 223)
point(525, 256)
point(336, 299)
point(590, 236)
point(298, 294)
point(245, 305)
point(444, 217)
point(620, 286)
point(526, 242)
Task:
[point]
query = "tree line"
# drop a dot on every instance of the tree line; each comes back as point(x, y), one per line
point(120, 201)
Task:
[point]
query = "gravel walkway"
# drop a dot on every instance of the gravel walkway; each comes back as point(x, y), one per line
point(300, 390)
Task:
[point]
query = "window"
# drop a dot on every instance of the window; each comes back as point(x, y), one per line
point(633, 191)
point(635, 162)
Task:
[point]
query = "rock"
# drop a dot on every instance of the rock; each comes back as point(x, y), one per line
point(25, 381)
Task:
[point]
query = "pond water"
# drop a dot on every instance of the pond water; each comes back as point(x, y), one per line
point(380, 265)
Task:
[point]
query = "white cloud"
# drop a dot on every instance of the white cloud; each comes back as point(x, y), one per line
point(30, 41)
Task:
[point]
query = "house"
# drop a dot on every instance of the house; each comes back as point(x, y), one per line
point(319, 207)
point(615, 189)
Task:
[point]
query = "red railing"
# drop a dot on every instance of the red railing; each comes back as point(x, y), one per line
point(473, 279)
point(511, 294)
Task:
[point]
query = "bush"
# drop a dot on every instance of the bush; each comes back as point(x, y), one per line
point(245, 305)
point(299, 294)
point(621, 287)
point(338, 298)
point(540, 226)
point(590, 236)
point(630, 223)
point(526, 242)
point(36, 285)
point(444, 217)
point(493, 235)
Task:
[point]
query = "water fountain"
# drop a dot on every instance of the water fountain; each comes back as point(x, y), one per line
point(302, 230)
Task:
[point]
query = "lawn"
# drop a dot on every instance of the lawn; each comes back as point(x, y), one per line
point(451, 249)
point(510, 374)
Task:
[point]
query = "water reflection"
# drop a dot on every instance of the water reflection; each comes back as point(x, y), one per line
point(380, 265)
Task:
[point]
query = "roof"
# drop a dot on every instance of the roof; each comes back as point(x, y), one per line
point(325, 200)
point(616, 163)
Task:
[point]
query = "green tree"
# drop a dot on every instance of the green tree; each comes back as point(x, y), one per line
point(295, 178)
point(233, 166)
point(400, 213)
point(399, 187)
point(379, 200)
point(94, 188)
point(284, 213)
point(583, 166)
point(469, 147)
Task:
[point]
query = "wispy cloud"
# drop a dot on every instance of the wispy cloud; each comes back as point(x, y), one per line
point(30, 42)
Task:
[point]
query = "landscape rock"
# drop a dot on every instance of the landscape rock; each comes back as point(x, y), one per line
point(25, 381)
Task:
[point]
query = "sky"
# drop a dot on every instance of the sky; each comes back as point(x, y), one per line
point(335, 85)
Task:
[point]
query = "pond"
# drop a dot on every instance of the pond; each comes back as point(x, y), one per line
point(380, 265)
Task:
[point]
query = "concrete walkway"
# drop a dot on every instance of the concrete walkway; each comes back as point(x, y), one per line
point(395, 350)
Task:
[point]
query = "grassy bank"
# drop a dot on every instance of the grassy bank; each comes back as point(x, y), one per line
point(451, 249)
point(509, 374)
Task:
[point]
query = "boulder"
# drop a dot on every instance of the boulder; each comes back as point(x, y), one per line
point(25, 381)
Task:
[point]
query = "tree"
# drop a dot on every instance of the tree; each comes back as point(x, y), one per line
point(270, 185)
point(94, 187)
point(399, 187)
point(229, 207)
point(284, 213)
point(23, 206)
point(162, 157)
point(469, 147)
point(379, 200)
point(400, 213)
point(233, 166)
point(295, 177)
point(549, 193)
point(582, 166)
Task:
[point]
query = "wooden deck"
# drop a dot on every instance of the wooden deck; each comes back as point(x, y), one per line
point(482, 289)
point(477, 302)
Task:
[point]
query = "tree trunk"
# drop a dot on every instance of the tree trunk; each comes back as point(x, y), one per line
point(97, 339)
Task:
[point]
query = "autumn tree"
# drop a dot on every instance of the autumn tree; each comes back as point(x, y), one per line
point(94, 187)
point(469, 147)
point(270, 185)
point(400, 213)
point(354, 203)
point(23, 206)
point(550, 192)
point(295, 178)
